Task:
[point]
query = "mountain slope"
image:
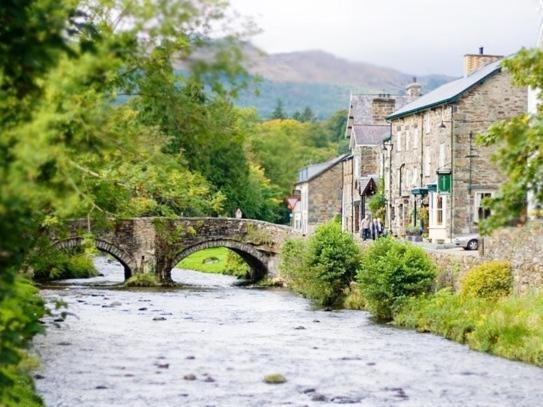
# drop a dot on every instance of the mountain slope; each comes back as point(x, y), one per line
point(324, 68)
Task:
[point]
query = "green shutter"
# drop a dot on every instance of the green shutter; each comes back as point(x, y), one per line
point(444, 183)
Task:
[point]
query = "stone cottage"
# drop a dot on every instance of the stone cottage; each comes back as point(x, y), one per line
point(367, 129)
point(435, 172)
point(319, 194)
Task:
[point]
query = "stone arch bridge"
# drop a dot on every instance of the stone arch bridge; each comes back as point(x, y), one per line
point(158, 244)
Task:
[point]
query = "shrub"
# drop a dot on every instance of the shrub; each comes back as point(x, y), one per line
point(353, 298)
point(57, 265)
point(391, 272)
point(142, 280)
point(235, 265)
point(324, 266)
point(489, 280)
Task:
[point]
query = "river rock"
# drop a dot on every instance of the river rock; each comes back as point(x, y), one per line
point(189, 377)
point(300, 327)
point(100, 387)
point(190, 357)
point(142, 309)
point(318, 397)
point(159, 319)
point(209, 379)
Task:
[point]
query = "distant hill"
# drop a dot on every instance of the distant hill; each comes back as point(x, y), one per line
point(321, 81)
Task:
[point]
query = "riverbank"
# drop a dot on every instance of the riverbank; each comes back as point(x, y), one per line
point(134, 348)
point(399, 283)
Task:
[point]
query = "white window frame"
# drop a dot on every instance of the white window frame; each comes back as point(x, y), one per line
point(357, 165)
point(399, 148)
point(434, 198)
point(416, 139)
point(477, 201)
point(427, 122)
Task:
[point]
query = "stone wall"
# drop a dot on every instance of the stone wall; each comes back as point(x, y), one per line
point(439, 139)
point(325, 193)
point(523, 247)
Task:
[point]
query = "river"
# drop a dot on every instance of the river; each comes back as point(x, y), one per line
point(138, 348)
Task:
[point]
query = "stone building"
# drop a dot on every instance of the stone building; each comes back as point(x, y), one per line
point(319, 191)
point(367, 128)
point(435, 171)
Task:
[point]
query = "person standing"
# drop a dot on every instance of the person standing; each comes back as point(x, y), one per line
point(376, 228)
point(239, 214)
point(365, 227)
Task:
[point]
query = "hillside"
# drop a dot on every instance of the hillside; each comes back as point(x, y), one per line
point(320, 80)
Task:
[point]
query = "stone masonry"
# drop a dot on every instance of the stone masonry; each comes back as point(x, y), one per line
point(159, 244)
point(444, 138)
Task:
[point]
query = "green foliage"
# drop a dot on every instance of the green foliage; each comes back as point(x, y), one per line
point(225, 261)
point(142, 280)
point(20, 311)
point(61, 265)
point(519, 152)
point(377, 202)
point(392, 271)
point(490, 280)
point(510, 327)
point(235, 265)
point(322, 267)
point(278, 113)
point(353, 298)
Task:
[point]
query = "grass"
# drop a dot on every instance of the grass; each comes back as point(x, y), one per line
point(197, 261)
point(218, 260)
point(510, 327)
point(142, 280)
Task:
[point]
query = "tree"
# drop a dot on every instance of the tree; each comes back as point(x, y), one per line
point(278, 113)
point(519, 152)
point(307, 115)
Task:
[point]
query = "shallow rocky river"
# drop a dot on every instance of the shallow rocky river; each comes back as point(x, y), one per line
point(137, 348)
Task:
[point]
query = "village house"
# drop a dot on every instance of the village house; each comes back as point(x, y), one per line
point(436, 176)
point(367, 128)
point(319, 194)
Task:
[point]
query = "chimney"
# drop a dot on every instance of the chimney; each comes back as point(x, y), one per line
point(474, 62)
point(413, 90)
point(382, 106)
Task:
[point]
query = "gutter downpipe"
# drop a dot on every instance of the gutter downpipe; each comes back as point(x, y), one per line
point(451, 222)
point(390, 181)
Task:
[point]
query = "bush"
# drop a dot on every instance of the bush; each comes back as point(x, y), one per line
point(20, 311)
point(353, 298)
point(489, 280)
point(322, 267)
point(391, 272)
point(58, 265)
point(235, 265)
point(142, 280)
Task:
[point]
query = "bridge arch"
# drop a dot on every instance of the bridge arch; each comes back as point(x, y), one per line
point(127, 261)
point(257, 261)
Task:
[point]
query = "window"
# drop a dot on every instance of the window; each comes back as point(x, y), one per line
point(427, 122)
point(415, 139)
point(415, 177)
point(441, 155)
point(481, 212)
point(399, 141)
point(439, 210)
point(407, 140)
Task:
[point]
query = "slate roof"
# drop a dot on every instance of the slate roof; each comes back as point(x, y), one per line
point(366, 182)
point(370, 134)
point(448, 93)
point(306, 174)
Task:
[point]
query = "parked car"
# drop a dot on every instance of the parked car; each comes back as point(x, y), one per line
point(468, 242)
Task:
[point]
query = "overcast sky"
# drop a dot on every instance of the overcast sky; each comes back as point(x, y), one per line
point(414, 36)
